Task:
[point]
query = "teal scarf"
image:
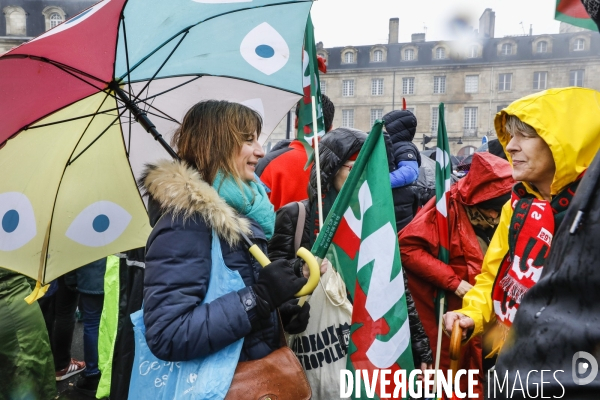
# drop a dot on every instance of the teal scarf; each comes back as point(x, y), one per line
point(250, 200)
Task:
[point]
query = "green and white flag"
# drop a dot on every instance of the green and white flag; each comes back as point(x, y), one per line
point(359, 238)
point(312, 87)
point(443, 172)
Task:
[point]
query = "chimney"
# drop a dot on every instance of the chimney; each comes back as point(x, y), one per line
point(417, 37)
point(487, 23)
point(394, 25)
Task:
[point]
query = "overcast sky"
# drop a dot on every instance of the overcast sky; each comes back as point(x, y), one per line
point(363, 22)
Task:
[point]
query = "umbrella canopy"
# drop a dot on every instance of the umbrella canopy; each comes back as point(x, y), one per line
point(72, 98)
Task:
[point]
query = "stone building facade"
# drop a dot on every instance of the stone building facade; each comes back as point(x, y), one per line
point(25, 19)
point(474, 78)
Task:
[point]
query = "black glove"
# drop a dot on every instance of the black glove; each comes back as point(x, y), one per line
point(293, 317)
point(276, 284)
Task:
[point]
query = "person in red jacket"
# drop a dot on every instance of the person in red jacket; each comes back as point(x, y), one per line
point(283, 172)
point(474, 209)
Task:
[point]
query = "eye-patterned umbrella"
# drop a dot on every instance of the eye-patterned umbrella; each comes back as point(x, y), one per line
point(76, 104)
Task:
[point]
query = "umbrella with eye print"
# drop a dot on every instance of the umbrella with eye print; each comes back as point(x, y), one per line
point(77, 104)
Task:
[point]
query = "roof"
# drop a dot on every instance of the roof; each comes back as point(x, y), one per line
point(560, 44)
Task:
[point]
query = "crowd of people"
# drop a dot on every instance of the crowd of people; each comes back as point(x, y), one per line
point(519, 249)
point(502, 217)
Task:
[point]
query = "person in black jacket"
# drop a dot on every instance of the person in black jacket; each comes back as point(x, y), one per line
point(211, 191)
point(337, 151)
point(404, 160)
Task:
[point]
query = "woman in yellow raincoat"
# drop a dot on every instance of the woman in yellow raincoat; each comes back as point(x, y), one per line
point(550, 139)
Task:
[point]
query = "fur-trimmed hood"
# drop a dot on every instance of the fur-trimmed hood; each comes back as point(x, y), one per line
point(180, 190)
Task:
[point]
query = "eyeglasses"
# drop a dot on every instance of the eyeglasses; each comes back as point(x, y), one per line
point(348, 166)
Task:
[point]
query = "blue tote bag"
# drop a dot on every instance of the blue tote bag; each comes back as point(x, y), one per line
point(203, 378)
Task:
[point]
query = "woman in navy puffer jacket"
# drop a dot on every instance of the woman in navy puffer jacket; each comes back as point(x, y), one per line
point(212, 189)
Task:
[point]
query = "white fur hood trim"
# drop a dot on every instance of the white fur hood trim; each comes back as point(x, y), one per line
point(180, 189)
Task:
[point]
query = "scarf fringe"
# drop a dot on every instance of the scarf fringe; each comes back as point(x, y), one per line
point(513, 288)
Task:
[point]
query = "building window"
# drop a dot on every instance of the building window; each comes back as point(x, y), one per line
point(348, 118)
point(470, 121)
point(376, 113)
point(323, 87)
point(540, 80)
point(501, 107)
point(578, 45)
point(348, 87)
point(377, 87)
point(53, 16)
point(377, 56)
point(576, 78)
point(440, 53)
point(408, 85)
point(506, 49)
point(473, 51)
point(439, 84)
point(542, 46)
point(16, 23)
point(435, 117)
point(349, 57)
point(411, 109)
point(55, 19)
point(435, 111)
point(409, 55)
point(471, 83)
point(504, 82)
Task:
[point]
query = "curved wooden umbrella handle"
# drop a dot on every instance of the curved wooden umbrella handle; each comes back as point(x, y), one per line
point(455, 342)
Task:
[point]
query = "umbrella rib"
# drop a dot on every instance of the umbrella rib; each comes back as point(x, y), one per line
point(89, 124)
point(169, 90)
point(97, 137)
point(186, 30)
point(164, 114)
point(57, 64)
point(165, 117)
point(63, 68)
point(162, 65)
point(128, 79)
point(74, 119)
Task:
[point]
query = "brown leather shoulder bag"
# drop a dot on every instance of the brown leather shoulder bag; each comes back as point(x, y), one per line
point(278, 376)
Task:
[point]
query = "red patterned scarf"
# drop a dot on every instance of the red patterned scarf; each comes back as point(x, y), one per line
point(532, 227)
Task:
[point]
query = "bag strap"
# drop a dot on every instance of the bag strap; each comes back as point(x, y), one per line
point(282, 341)
point(299, 226)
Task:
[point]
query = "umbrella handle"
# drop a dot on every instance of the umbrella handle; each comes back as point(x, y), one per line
point(455, 341)
point(307, 256)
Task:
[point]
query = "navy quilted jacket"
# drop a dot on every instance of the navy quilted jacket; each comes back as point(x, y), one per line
point(178, 265)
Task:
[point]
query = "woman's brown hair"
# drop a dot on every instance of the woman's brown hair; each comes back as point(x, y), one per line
point(211, 135)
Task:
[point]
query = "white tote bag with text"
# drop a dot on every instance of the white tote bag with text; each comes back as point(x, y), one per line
point(323, 347)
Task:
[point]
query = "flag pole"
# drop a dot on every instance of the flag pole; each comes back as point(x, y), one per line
point(317, 161)
point(438, 349)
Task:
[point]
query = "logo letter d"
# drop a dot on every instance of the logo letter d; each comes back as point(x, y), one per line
point(583, 367)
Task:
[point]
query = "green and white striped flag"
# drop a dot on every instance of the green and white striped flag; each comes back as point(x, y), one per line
point(359, 238)
point(443, 172)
